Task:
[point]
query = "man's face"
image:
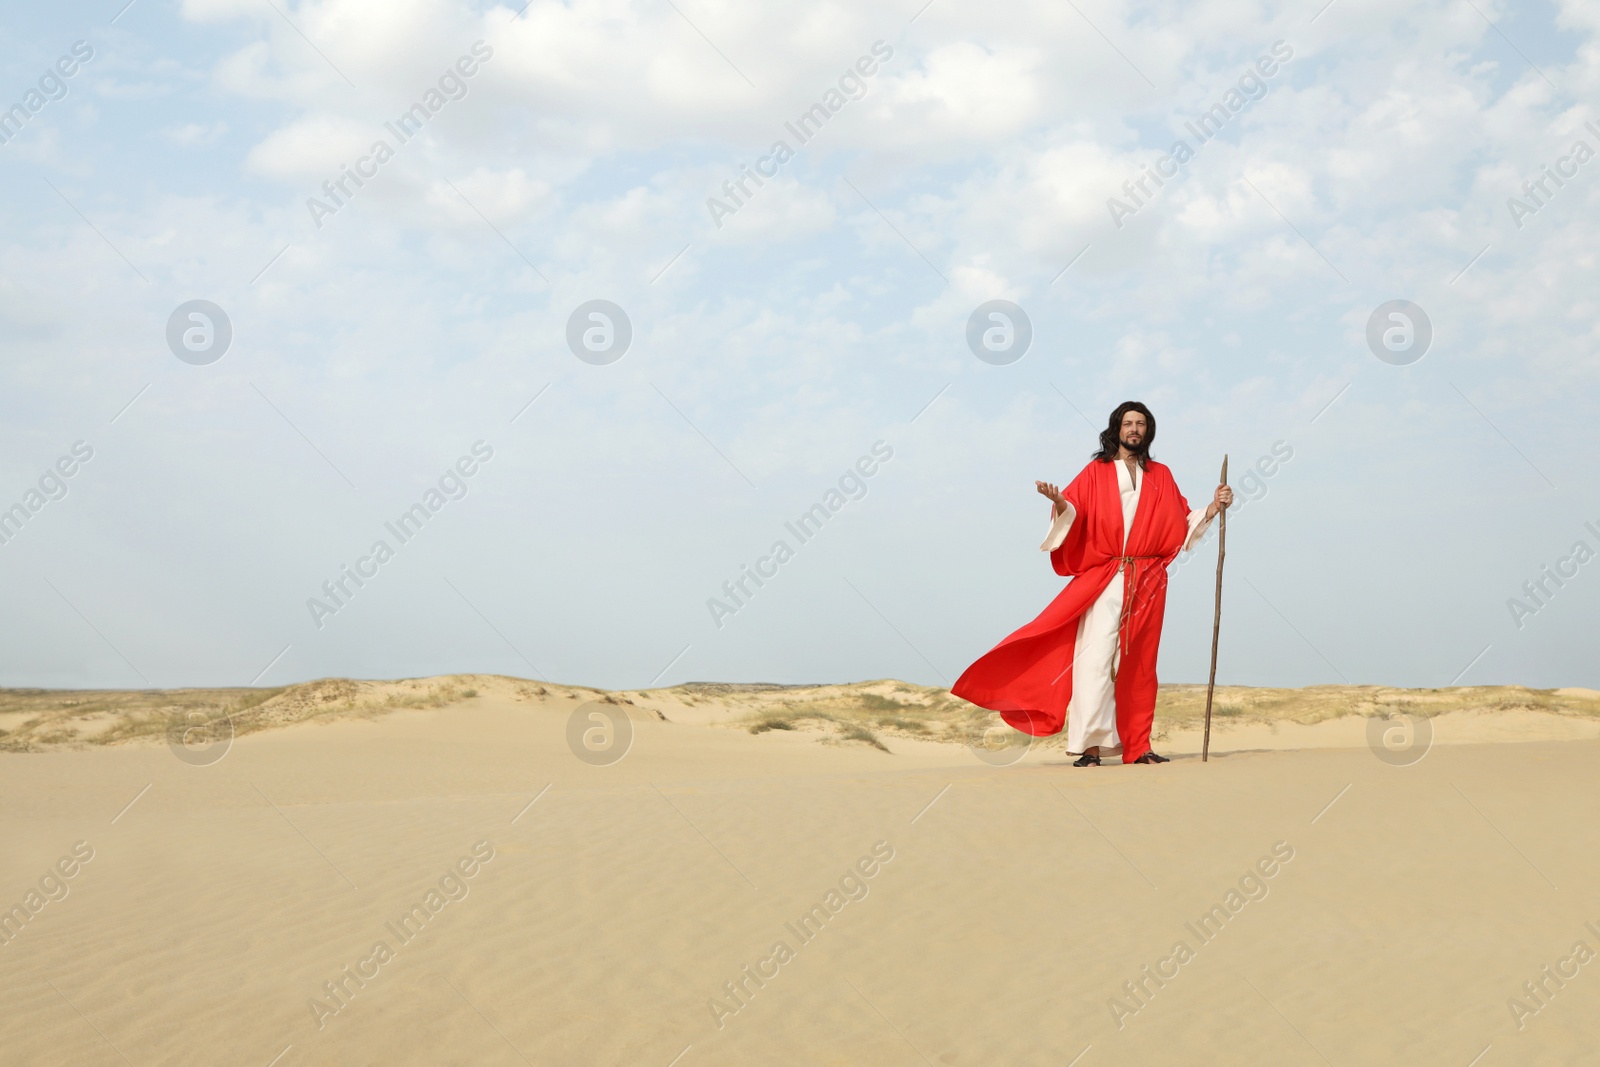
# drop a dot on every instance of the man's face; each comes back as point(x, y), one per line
point(1134, 427)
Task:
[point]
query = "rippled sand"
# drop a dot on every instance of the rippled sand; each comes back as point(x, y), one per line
point(619, 902)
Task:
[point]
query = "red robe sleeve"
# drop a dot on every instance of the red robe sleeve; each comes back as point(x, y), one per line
point(1068, 557)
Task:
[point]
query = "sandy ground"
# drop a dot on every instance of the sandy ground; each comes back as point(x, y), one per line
point(1015, 903)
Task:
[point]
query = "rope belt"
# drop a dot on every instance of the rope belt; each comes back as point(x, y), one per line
point(1126, 565)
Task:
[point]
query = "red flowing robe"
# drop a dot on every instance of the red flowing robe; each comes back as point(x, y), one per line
point(1027, 677)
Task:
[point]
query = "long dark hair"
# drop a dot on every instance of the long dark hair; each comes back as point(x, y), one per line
point(1111, 436)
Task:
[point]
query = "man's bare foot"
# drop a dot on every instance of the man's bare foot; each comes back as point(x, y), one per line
point(1151, 757)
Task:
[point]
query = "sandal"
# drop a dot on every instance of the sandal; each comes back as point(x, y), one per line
point(1151, 757)
point(1086, 760)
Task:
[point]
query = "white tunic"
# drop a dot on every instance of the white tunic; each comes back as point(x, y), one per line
point(1092, 712)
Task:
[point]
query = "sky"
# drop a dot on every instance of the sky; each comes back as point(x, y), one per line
point(254, 316)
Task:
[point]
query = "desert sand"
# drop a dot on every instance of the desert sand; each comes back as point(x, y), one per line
point(1335, 904)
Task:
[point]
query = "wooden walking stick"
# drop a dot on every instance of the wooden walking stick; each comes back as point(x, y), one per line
point(1216, 618)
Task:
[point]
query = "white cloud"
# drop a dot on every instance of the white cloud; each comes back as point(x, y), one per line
point(312, 148)
point(195, 133)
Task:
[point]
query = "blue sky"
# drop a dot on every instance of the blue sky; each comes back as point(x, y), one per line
point(769, 354)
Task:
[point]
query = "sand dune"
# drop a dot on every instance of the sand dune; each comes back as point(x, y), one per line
point(33, 720)
point(795, 895)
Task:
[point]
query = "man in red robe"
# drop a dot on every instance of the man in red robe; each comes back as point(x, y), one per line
point(1089, 659)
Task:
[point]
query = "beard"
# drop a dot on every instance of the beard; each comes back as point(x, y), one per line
point(1137, 447)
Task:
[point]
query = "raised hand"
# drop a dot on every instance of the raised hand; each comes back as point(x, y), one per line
point(1053, 493)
